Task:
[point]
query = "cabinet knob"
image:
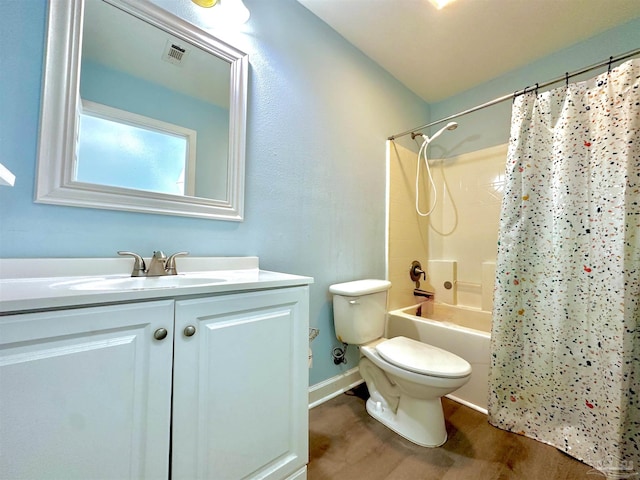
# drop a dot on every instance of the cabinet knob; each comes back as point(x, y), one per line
point(189, 331)
point(160, 334)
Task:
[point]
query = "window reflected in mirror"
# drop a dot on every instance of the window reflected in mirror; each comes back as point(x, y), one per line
point(135, 67)
point(119, 149)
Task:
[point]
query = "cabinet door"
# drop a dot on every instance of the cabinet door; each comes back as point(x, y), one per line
point(85, 393)
point(240, 405)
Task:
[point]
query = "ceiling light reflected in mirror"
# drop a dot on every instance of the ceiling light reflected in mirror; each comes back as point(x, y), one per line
point(439, 4)
point(230, 12)
point(205, 3)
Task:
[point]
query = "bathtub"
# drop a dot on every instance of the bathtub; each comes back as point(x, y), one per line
point(460, 330)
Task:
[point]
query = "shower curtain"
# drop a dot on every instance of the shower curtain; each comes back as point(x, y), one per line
point(565, 346)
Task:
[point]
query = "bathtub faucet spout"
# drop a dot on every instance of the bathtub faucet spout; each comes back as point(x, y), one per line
point(425, 302)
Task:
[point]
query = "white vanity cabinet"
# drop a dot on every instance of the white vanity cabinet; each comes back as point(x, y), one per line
point(86, 393)
point(91, 393)
point(240, 397)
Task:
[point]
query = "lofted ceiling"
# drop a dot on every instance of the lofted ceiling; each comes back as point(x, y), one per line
point(439, 53)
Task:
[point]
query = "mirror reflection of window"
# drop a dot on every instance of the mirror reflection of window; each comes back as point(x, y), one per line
point(120, 149)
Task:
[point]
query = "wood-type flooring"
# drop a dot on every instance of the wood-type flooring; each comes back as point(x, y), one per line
point(347, 444)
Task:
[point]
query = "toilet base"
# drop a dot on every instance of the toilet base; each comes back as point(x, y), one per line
point(419, 421)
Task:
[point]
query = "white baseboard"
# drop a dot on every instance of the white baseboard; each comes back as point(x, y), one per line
point(467, 404)
point(334, 386)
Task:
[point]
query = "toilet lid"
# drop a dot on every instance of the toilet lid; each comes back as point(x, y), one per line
point(421, 358)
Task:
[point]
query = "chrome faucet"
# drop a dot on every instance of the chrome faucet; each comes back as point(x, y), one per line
point(160, 265)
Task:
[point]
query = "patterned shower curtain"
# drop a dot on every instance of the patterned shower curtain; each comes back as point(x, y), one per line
point(565, 346)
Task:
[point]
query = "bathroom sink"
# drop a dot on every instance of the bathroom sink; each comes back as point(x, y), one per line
point(139, 283)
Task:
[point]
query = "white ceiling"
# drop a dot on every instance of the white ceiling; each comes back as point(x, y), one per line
point(439, 53)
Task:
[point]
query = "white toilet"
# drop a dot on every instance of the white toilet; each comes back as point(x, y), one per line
point(405, 378)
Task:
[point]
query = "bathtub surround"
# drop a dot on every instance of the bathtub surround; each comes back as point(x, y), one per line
point(443, 279)
point(488, 285)
point(407, 232)
point(470, 191)
point(565, 365)
point(469, 211)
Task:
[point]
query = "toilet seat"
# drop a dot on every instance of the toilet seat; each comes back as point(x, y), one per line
point(421, 358)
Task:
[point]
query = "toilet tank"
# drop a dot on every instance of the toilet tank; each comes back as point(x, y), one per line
point(360, 310)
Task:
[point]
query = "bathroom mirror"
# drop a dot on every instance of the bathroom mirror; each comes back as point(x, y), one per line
point(141, 111)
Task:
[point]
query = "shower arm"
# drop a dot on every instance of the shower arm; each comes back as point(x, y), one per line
point(427, 139)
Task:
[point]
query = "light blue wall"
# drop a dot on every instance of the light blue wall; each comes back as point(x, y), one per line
point(490, 126)
point(318, 116)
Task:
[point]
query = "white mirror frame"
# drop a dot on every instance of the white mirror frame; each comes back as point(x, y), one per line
point(59, 119)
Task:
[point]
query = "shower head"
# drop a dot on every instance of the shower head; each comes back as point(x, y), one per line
point(448, 126)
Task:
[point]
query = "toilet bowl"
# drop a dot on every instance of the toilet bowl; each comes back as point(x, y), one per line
point(405, 378)
point(405, 400)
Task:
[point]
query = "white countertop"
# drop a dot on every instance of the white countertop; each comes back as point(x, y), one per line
point(39, 284)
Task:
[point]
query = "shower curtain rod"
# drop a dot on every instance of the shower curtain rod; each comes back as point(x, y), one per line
point(509, 96)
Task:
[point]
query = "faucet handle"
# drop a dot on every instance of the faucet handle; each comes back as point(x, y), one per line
point(170, 267)
point(416, 272)
point(139, 267)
